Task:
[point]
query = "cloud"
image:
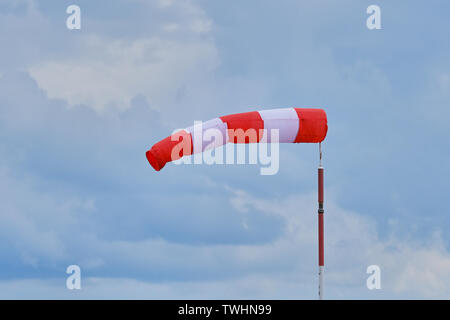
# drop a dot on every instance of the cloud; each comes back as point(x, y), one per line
point(117, 71)
point(64, 230)
point(253, 287)
point(60, 229)
point(409, 268)
point(284, 268)
point(77, 188)
point(176, 55)
point(36, 233)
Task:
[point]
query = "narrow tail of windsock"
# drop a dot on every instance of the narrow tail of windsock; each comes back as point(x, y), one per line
point(320, 214)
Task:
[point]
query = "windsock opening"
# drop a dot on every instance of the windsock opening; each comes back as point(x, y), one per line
point(152, 160)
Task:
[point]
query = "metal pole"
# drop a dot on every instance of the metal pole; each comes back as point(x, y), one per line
point(320, 215)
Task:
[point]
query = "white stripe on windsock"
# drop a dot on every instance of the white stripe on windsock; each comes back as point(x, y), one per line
point(204, 137)
point(285, 120)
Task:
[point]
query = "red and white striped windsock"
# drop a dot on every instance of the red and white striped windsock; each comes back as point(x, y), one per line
point(295, 125)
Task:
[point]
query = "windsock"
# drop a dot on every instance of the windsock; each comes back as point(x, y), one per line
point(294, 125)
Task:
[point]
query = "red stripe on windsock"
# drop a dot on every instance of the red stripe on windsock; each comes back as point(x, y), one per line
point(244, 127)
point(312, 125)
point(161, 152)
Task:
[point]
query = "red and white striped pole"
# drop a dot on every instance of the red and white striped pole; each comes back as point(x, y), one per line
point(320, 214)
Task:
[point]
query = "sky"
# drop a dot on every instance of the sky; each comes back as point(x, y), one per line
point(79, 109)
